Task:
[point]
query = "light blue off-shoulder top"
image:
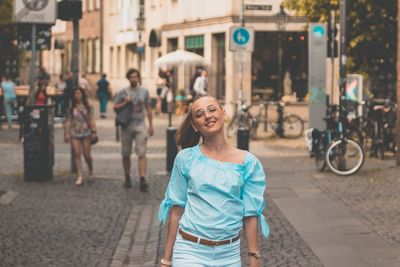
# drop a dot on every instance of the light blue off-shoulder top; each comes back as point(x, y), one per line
point(216, 195)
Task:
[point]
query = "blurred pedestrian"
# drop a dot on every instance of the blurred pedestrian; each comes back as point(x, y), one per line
point(201, 84)
point(41, 94)
point(59, 98)
point(103, 93)
point(195, 75)
point(135, 129)
point(8, 88)
point(161, 84)
point(69, 87)
point(214, 191)
point(85, 84)
point(80, 129)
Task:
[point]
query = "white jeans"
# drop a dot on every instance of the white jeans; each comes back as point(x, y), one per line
point(187, 253)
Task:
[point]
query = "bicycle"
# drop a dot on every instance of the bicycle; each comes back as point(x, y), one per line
point(382, 116)
point(286, 126)
point(332, 148)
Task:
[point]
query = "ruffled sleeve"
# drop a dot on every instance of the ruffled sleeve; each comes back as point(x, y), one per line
point(177, 187)
point(253, 192)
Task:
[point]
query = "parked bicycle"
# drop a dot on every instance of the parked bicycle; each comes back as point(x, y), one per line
point(286, 126)
point(333, 147)
point(382, 118)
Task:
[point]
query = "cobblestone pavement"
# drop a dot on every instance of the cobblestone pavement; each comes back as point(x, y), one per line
point(101, 224)
point(373, 195)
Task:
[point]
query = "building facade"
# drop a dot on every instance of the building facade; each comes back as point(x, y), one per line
point(277, 65)
point(117, 35)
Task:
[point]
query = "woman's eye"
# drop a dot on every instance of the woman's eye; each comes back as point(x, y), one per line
point(212, 109)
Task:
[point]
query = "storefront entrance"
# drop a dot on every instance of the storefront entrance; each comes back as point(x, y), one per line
point(279, 64)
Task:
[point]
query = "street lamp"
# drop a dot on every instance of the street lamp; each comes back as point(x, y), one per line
point(140, 23)
point(281, 21)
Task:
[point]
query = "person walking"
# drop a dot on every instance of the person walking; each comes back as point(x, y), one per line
point(85, 84)
point(80, 129)
point(69, 87)
point(135, 129)
point(59, 98)
point(201, 84)
point(41, 94)
point(103, 91)
point(8, 88)
point(214, 191)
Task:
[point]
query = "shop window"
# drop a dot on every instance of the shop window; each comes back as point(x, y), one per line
point(195, 44)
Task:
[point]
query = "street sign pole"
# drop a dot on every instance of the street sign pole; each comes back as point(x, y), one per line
point(332, 47)
point(342, 58)
point(33, 66)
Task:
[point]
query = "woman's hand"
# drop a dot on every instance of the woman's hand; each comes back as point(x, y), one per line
point(66, 138)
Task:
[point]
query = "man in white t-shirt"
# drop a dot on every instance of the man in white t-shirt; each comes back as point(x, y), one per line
point(201, 84)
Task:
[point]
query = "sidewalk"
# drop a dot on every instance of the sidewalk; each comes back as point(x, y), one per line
point(316, 219)
point(346, 221)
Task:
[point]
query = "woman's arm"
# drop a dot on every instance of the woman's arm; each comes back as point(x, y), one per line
point(92, 121)
point(250, 225)
point(173, 224)
point(66, 129)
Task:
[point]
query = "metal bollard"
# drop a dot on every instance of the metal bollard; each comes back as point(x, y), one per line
point(172, 149)
point(243, 138)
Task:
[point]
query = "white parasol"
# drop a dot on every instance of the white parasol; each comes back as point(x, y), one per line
point(179, 58)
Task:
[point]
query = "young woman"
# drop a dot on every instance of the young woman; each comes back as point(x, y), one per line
point(41, 94)
point(215, 190)
point(79, 128)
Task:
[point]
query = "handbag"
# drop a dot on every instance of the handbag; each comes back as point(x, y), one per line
point(93, 137)
point(124, 115)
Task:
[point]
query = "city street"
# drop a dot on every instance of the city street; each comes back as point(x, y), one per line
point(316, 219)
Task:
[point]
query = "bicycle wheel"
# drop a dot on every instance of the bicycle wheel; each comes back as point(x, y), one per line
point(293, 126)
point(344, 157)
point(320, 161)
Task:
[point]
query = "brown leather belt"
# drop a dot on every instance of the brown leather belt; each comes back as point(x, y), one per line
point(207, 242)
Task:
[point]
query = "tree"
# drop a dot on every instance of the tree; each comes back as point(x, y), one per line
point(371, 36)
point(8, 35)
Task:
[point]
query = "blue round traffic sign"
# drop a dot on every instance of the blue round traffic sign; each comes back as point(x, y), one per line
point(318, 31)
point(241, 36)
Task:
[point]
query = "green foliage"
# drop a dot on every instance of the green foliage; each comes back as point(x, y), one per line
point(8, 34)
point(371, 34)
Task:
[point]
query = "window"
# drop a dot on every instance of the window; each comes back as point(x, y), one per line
point(118, 62)
point(172, 44)
point(97, 56)
point(83, 5)
point(111, 59)
point(91, 5)
point(195, 44)
point(98, 4)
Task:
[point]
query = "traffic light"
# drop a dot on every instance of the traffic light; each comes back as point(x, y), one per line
point(43, 36)
point(332, 38)
point(69, 10)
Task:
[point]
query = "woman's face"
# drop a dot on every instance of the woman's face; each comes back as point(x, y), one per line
point(207, 116)
point(78, 95)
